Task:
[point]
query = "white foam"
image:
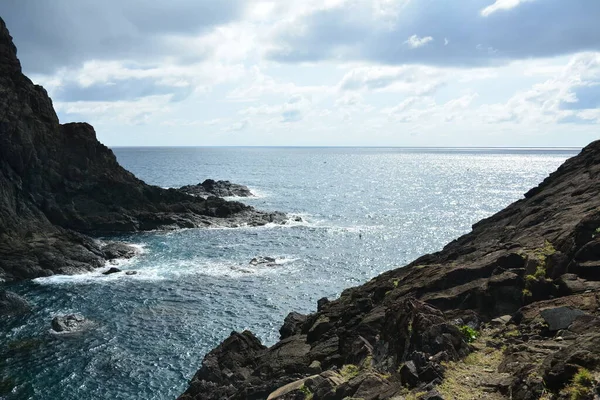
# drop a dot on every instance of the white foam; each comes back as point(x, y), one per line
point(172, 270)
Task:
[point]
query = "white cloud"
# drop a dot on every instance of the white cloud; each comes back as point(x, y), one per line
point(501, 5)
point(293, 110)
point(134, 112)
point(239, 125)
point(411, 79)
point(415, 41)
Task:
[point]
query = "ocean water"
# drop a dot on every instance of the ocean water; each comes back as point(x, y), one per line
point(364, 210)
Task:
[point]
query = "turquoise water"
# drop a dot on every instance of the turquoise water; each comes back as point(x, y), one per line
point(365, 210)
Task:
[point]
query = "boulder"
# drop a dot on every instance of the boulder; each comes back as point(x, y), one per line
point(560, 317)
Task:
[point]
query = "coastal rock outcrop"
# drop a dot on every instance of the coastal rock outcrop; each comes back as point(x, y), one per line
point(13, 304)
point(532, 268)
point(70, 323)
point(211, 187)
point(58, 182)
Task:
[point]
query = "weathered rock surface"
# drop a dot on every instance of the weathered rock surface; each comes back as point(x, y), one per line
point(70, 323)
point(116, 250)
point(13, 304)
point(531, 265)
point(57, 179)
point(217, 188)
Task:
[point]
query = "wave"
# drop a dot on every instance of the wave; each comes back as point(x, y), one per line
point(172, 270)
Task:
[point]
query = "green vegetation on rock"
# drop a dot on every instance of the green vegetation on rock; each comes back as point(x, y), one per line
point(469, 333)
point(307, 393)
point(349, 371)
point(581, 386)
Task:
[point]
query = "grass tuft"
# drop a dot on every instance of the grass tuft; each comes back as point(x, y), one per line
point(349, 371)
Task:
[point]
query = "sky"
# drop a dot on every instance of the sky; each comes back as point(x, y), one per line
point(468, 73)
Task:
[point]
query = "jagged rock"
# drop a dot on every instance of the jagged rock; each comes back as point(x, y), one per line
point(58, 178)
point(70, 323)
point(111, 271)
point(408, 374)
point(559, 367)
point(13, 304)
point(217, 188)
point(292, 324)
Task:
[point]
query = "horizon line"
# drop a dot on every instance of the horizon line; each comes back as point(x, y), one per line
point(357, 147)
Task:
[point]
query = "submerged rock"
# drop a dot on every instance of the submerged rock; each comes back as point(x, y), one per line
point(70, 323)
point(13, 304)
point(269, 261)
point(111, 271)
point(211, 187)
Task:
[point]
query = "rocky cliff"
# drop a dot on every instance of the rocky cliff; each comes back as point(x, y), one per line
point(58, 181)
point(518, 297)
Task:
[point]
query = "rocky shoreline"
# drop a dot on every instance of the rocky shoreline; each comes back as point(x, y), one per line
point(58, 184)
point(508, 311)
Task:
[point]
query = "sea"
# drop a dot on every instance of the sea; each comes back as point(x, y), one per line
point(363, 211)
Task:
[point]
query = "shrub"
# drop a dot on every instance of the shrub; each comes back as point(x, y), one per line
point(469, 333)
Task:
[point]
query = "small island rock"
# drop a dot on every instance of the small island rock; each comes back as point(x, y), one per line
point(69, 323)
point(211, 187)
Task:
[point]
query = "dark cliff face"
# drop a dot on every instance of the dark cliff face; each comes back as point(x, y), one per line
point(539, 253)
point(56, 179)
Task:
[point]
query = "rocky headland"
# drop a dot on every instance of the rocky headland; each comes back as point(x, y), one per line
point(59, 184)
point(211, 187)
point(507, 311)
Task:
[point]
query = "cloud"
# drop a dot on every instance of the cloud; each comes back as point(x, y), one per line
point(501, 5)
point(126, 112)
point(414, 41)
point(65, 33)
point(239, 126)
point(412, 79)
point(293, 110)
point(526, 32)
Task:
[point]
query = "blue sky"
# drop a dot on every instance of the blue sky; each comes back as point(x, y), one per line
point(318, 72)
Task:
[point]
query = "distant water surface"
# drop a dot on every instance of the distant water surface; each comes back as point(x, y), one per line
point(365, 210)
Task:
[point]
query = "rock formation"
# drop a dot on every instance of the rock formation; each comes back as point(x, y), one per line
point(525, 280)
point(57, 183)
point(70, 323)
point(217, 188)
point(13, 304)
